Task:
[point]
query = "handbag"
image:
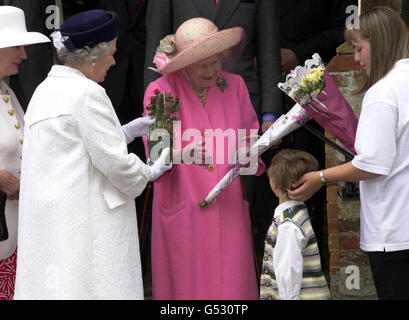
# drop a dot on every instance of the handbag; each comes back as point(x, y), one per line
point(4, 235)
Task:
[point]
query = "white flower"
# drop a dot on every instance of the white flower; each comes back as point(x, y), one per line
point(58, 40)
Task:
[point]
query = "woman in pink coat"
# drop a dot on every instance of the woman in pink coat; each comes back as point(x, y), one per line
point(203, 253)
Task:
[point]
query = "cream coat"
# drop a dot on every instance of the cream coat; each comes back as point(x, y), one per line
point(78, 229)
point(11, 114)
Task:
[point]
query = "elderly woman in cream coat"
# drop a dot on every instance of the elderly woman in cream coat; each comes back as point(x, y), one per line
point(78, 224)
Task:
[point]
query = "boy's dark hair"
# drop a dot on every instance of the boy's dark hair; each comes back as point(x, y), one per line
point(288, 166)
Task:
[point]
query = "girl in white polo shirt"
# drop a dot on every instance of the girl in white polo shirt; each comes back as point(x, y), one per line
point(382, 145)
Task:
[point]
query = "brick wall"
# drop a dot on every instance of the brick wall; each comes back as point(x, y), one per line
point(349, 272)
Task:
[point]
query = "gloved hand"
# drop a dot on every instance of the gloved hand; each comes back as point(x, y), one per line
point(159, 167)
point(137, 128)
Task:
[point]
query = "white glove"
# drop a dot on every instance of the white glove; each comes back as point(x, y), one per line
point(137, 128)
point(159, 167)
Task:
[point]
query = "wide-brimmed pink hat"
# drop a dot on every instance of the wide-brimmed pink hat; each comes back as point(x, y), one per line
point(197, 39)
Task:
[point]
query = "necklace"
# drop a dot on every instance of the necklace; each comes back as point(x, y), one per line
point(202, 95)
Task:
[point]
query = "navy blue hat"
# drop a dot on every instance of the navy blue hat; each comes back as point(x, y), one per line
point(89, 28)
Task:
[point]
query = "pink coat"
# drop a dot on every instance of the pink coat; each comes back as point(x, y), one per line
point(203, 253)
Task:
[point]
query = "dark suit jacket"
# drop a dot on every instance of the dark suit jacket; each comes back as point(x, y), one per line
point(129, 59)
point(40, 57)
point(258, 18)
point(309, 26)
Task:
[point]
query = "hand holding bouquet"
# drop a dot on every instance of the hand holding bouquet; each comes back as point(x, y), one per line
point(163, 108)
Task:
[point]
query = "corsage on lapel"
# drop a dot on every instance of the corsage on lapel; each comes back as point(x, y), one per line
point(222, 83)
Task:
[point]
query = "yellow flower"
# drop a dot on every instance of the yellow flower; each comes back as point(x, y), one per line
point(312, 81)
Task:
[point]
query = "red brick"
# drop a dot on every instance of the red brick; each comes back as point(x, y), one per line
point(333, 227)
point(333, 241)
point(334, 270)
point(349, 225)
point(334, 259)
point(332, 210)
point(332, 194)
point(348, 242)
point(354, 257)
point(343, 63)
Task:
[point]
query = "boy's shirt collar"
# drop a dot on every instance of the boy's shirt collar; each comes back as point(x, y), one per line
point(285, 205)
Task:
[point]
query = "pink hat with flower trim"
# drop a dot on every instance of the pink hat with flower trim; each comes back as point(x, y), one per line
point(197, 39)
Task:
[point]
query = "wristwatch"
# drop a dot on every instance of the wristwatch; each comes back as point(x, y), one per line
point(324, 182)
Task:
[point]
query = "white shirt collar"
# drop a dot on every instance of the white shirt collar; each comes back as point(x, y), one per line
point(285, 205)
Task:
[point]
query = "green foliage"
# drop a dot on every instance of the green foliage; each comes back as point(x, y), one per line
point(164, 108)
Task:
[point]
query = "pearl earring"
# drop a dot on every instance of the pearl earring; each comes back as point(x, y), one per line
point(93, 64)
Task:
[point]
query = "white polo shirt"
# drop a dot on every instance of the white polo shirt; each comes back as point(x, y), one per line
point(382, 145)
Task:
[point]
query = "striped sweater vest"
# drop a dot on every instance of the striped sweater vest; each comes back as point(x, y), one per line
point(313, 285)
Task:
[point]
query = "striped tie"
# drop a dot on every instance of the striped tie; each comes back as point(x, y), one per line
point(133, 6)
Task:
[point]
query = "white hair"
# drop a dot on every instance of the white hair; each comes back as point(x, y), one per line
point(84, 54)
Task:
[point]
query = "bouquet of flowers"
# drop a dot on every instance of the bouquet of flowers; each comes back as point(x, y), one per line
point(164, 108)
point(314, 89)
point(305, 83)
point(286, 124)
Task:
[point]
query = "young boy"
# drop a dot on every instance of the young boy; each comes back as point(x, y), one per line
point(291, 265)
